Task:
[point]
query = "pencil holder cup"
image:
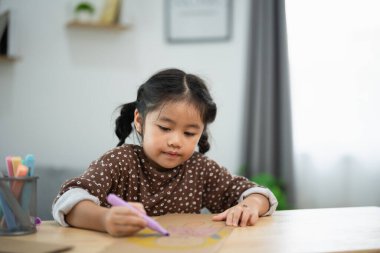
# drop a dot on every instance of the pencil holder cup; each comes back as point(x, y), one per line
point(18, 205)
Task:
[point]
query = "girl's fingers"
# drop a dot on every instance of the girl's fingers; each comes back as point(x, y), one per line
point(230, 216)
point(253, 219)
point(121, 221)
point(125, 210)
point(138, 206)
point(245, 217)
point(238, 215)
point(220, 216)
point(132, 220)
point(122, 230)
point(235, 216)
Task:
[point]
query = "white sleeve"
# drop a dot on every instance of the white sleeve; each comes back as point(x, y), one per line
point(263, 191)
point(67, 201)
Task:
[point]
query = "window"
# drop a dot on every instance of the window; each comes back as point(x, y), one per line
point(334, 54)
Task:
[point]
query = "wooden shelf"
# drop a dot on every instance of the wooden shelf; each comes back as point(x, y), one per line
point(8, 58)
point(76, 24)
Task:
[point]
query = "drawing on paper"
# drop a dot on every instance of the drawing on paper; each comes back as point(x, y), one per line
point(187, 232)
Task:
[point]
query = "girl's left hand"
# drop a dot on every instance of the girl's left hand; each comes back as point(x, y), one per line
point(243, 214)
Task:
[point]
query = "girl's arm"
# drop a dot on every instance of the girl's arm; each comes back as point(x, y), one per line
point(117, 221)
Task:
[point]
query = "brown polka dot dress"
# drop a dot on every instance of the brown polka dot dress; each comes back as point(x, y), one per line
point(187, 188)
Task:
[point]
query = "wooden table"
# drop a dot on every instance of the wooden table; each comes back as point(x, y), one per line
point(355, 229)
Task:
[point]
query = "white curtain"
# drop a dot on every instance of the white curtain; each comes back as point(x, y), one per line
point(334, 55)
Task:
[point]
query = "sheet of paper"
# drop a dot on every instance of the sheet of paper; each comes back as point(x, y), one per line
point(195, 233)
point(11, 245)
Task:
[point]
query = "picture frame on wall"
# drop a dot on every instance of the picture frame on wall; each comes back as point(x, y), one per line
point(4, 25)
point(198, 20)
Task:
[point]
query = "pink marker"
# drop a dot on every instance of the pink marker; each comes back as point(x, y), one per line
point(9, 166)
point(152, 224)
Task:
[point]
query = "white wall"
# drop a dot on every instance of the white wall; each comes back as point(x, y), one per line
point(58, 100)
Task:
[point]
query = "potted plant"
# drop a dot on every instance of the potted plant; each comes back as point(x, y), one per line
point(84, 12)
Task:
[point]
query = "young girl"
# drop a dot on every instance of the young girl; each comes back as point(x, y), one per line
point(165, 174)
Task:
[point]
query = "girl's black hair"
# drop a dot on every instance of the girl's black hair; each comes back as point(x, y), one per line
point(169, 85)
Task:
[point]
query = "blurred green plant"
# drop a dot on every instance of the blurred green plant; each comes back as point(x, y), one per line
point(85, 7)
point(275, 185)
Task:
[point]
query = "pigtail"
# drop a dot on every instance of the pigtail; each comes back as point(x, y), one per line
point(124, 122)
point(203, 143)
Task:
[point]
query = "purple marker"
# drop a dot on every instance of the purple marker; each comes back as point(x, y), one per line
point(37, 221)
point(152, 224)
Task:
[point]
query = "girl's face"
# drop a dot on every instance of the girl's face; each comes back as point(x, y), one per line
point(171, 133)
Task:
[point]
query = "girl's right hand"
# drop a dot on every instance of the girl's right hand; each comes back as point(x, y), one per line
point(122, 221)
